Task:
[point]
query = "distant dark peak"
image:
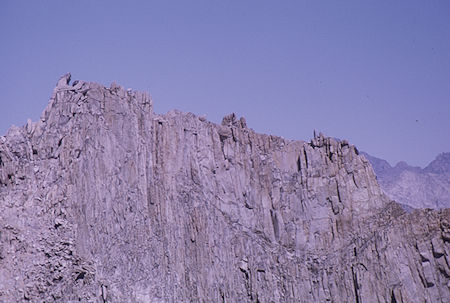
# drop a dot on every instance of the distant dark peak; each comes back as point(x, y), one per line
point(414, 186)
point(402, 165)
point(379, 165)
point(445, 155)
point(439, 165)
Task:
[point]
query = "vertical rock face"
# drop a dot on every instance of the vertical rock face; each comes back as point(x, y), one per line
point(103, 200)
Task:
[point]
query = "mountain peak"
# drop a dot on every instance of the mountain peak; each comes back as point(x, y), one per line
point(413, 186)
point(440, 165)
point(103, 200)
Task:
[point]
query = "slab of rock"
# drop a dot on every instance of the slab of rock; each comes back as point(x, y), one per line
point(103, 200)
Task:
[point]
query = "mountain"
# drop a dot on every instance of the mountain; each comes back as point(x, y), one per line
point(103, 200)
point(413, 186)
point(440, 165)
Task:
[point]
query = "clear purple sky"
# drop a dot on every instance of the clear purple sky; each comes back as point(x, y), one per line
point(374, 72)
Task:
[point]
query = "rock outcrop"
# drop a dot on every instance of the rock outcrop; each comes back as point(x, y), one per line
point(103, 200)
point(413, 186)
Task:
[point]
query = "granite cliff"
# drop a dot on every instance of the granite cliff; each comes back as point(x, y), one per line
point(413, 186)
point(103, 200)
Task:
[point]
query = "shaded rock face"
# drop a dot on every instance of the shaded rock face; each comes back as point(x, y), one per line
point(440, 165)
point(103, 200)
point(413, 186)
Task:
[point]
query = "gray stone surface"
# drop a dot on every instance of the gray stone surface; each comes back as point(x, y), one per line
point(413, 186)
point(103, 200)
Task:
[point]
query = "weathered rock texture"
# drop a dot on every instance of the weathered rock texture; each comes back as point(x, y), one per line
point(414, 186)
point(103, 200)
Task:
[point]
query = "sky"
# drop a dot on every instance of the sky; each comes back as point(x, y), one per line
point(376, 73)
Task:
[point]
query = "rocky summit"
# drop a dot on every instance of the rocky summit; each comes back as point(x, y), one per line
point(103, 200)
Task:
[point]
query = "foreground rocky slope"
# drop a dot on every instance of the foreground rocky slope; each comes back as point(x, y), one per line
point(414, 186)
point(103, 200)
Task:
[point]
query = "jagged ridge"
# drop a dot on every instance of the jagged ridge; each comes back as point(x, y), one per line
point(413, 186)
point(103, 200)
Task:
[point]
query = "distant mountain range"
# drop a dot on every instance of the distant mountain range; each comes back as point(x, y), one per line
point(413, 186)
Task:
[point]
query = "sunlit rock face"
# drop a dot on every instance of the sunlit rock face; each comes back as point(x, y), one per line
point(413, 186)
point(103, 200)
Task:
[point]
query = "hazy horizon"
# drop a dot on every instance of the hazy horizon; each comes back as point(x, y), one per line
point(374, 73)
